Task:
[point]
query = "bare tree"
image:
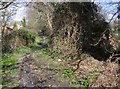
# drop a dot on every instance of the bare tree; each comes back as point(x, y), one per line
point(7, 11)
point(39, 15)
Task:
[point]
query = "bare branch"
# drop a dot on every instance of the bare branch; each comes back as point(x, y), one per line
point(113, 16)
point(5, 6)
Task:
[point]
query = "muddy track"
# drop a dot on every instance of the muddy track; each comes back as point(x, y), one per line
point(30, 75)
point(33, 76)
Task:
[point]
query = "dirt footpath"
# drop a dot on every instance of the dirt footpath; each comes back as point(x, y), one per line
point(47, 73)
point(33, 76)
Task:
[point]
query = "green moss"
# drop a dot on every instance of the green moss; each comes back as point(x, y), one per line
point(37, 39)
point(42, 54)
point(68, 73)
point(22, 50)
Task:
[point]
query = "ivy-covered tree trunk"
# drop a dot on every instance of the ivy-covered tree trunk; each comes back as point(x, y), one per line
point(76, 27)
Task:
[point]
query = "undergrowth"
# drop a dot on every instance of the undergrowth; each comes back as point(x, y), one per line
point(84, 82)
point(68, 73)
point(10, 66)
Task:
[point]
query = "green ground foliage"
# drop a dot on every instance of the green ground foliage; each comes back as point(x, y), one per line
point(16, 39)
point(10, 66)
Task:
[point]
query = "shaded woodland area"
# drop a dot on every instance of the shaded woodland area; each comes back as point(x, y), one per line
point(60, 44)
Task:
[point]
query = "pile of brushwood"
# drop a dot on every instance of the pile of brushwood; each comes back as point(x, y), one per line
point(79, 27)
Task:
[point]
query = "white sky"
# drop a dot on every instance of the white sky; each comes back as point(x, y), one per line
point(20, 14)
point(109, 10)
